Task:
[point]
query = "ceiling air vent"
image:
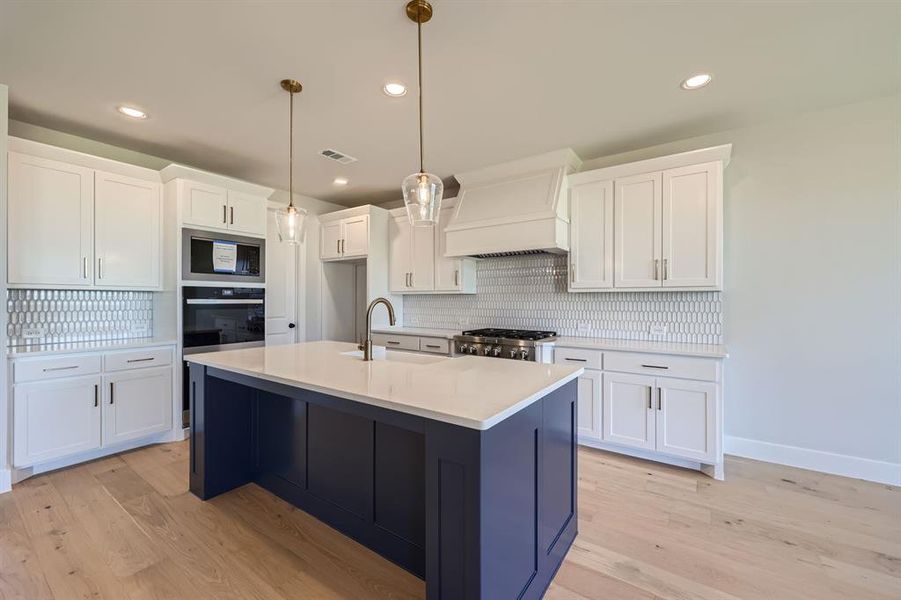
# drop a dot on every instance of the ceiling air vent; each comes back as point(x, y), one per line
point(338, 156)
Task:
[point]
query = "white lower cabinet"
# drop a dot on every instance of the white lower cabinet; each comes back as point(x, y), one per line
point(55, 418)
point(136, 404)
point(628, 410)
point(686, 418)
point(58, 413)
point(589, 412)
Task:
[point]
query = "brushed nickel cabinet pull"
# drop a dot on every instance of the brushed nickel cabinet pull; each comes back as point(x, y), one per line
point(432, 346)
point(659, 399)
point(456, 276)
point(134, 360)
point(224, 214)
point(665, 268)
point(411, 279)
point(337, 246)
point(656, 269)
point(84, 268)
point(231, 215)
point(572, 272)
point(576, 359)
point(96, 395)
point(60, 368)
point(650, 397)
point(111, 400)
point(343, 245)
point(654, 367)
point(391, 342)
point(99, 268)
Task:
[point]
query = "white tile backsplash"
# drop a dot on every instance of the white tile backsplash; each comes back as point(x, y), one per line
point(39, 317)
point(530, 292)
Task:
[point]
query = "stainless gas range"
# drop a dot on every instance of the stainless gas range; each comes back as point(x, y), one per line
point(518, 344)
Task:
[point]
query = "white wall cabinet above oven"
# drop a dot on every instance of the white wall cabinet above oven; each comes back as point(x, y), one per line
point(417, 263)
point(637, 227)
point(72, 226)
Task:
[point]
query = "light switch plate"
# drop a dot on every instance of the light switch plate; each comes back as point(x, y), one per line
point(658, 329)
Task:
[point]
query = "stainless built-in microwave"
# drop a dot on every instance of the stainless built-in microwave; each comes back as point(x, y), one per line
point(208, 256)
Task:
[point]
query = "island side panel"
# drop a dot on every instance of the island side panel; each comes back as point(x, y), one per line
point(222, 444)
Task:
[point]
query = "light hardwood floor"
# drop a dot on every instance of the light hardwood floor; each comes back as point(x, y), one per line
point(125, 528)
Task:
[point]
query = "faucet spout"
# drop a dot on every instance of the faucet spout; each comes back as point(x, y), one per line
point(366, 346)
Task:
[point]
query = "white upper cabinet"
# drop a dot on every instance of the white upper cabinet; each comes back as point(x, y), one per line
point(451, 274)
point(637, 211)
point(127, 226)
point(667, 216)
point(344, 238)
point(591, 236)
point(204, 205)
point(691, 226)
point(51, 220)
point(246, 213)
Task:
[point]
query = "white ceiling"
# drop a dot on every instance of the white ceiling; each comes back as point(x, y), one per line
point(503, 79)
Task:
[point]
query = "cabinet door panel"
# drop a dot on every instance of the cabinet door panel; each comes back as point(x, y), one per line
point(422, 257)
point(686, 419)
point(204, 205)
point(127, 230)
point(399, 261)
point(246, 213)
point(51, 208)
point(356, 236)
point(330, 240)
point(691, 233)
point(628, 414)
point(637, 214)
point(448, 275)
point(591, 236)
point(136, 404)
point(55, 419)
point(590, 405)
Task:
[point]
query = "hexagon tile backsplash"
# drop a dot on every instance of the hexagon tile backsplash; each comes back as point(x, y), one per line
point(57, 316)
point(530, 292)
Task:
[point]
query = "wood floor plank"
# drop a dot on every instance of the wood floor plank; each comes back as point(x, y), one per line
point(125, 527)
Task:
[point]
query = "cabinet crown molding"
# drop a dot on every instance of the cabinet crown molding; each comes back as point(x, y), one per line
point(81, 159)
point(721, 153)
point(176, 171)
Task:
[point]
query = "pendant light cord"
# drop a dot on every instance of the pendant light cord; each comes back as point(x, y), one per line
point(419, 41)
point(291, 152)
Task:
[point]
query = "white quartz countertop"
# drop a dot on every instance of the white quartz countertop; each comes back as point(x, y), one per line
point(472, 391)
point(78, 347)
point(678, 348)
point(421, 331)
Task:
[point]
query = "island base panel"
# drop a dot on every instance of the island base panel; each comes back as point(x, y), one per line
point(477, 514)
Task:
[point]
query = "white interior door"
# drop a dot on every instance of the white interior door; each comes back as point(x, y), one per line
point(127, 226)
point(136, 404)
point(51, 222)
point(281, 287)
point(628, 410)
point(637, 213)
point(691, 226)
point(686, 418)
point(591, 235)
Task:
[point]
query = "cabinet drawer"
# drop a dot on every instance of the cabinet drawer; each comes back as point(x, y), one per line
point(705, 369)
point(436, 345)
point(402, 342)
point(55, 367)
point(137, 359)
point(591, 359)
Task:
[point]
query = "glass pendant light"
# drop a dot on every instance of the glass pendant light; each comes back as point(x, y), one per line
point(422, 191)
point(290, 220)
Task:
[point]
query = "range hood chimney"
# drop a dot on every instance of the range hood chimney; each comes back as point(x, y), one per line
point(519, 207)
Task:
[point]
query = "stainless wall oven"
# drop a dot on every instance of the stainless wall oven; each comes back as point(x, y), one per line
point(234, 259)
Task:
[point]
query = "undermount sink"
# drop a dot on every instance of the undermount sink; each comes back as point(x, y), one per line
point(380, 353)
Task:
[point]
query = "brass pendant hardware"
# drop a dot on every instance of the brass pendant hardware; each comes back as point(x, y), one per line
point(419, 11)
point(291, 85)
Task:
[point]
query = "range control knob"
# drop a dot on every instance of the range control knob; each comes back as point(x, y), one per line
point(496, 351)
point(513, 353)
point(464, 348)
point(522, 354)
point(472, 350)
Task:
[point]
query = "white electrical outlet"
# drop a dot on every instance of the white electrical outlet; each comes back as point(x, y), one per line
point(140, 330)
point(33, 332)
point(584, 327)
point(658, 329)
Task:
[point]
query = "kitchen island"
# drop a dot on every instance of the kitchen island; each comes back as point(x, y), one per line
point(460, 470)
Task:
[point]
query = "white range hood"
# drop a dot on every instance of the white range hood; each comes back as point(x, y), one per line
point(519, 207)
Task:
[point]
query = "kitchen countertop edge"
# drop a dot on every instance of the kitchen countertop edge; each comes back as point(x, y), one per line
point(87, 347)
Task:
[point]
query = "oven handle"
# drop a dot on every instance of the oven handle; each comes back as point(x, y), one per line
point(214, 301)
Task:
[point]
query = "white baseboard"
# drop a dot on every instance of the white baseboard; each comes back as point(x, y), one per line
point(6, 480)
point(815, 460)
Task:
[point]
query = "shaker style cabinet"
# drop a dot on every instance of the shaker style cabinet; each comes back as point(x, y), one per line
point(344, 238)
point(416, 260)
point(74, 227)
point(50, 222)
point(207, 206)
point(658, 229)
point(132, 407)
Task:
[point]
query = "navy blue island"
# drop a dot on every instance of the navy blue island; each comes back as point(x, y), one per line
point(461, 470)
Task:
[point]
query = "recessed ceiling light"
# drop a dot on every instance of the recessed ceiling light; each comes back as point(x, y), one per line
point(395, 89)
point(340, 181)
point(130, 111)
point(697, 81)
